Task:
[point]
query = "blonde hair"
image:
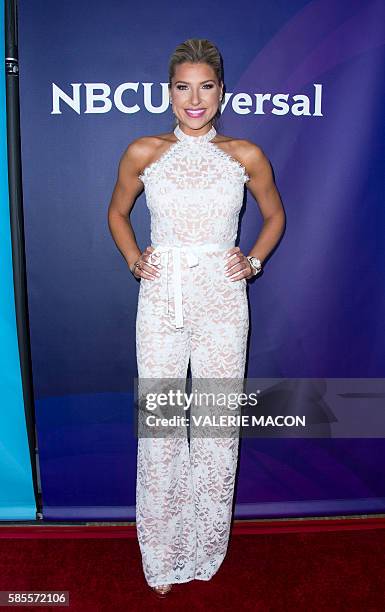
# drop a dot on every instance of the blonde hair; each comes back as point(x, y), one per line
point(197, 51)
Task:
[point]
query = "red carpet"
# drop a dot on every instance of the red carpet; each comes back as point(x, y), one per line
point(307, 565)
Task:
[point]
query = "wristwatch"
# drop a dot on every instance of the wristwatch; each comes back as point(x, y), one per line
point(255, 264)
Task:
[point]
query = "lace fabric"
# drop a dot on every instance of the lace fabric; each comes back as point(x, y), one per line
point(184, 493)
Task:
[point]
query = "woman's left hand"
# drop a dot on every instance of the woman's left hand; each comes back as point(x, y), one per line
point(237, 265)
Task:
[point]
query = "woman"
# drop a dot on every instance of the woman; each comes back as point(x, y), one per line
point(192, 306)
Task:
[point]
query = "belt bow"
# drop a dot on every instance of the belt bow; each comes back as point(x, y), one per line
point(192, 261)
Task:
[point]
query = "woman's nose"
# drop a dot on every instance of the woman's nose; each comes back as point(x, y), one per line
point(195, 98)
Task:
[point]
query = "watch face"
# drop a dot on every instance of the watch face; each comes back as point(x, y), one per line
point(255, 263)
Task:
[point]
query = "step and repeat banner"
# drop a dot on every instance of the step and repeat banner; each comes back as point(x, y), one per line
point(306, 82)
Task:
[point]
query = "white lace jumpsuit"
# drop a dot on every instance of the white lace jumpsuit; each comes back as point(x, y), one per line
point(193, 311)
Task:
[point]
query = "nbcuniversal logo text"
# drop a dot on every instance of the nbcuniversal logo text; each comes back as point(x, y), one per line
point(131, 98)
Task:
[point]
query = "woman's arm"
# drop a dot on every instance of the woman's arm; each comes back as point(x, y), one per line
point(263, 188)
point(127, 188)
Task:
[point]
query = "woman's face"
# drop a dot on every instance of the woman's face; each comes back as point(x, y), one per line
point(194, 87)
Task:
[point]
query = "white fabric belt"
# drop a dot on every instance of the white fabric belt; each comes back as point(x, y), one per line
point(192, 260)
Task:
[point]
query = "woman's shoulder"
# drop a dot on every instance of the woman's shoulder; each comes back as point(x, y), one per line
point(243, 145)
point(153, 140)
point(242, 149)
point(144, 149)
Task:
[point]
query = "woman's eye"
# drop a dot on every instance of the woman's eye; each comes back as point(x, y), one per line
point(206, 86)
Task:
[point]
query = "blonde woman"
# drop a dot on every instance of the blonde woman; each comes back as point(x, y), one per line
point(192, 306)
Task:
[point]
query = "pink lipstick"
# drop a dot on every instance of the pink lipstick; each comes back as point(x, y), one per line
point(195, 114)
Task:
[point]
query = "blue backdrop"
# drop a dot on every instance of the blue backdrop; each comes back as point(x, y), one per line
point(94, 80)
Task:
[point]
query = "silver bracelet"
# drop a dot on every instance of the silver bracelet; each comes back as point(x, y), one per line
point(136, 264)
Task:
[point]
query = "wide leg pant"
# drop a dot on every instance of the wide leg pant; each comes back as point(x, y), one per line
point(184, 494)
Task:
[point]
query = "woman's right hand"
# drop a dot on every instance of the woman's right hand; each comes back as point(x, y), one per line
point(142, 268)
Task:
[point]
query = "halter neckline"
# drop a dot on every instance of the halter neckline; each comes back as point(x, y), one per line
point(181, 135)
